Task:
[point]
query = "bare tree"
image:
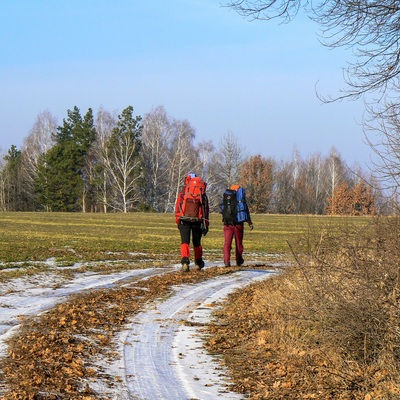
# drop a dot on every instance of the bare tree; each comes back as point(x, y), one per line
point(282, 199)
point(122, 160)
point(157, 136)
point(209, 160)
point(230, 160)
point(105, 124)
point(40, 140)
point(369, 27)
point(302, 185)
point(371, 30)
point(386, 145)
point(336, 172)
point(314, 174)
point(182, 159)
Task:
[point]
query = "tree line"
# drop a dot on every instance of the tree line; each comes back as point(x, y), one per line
point(121, 163)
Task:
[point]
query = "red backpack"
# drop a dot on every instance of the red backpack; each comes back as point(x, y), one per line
point(190, 205)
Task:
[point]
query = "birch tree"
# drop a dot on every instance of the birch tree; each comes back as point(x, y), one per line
point(157, 137)
point(122, 161)
point(105, 123)
point(182, 159)
point(38, 142)
point(308, 194)
point(282, 200)
point(230, 160)
point(336, 171)
point(209, 160)
point(314, 172)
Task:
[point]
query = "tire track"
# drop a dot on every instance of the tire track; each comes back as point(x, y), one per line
point(163, 351)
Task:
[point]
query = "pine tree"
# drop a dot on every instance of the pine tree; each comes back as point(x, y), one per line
point(60, 183)
point(12, 180)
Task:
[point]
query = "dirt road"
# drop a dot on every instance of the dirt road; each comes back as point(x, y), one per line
point(163, 352)
point(159, 354)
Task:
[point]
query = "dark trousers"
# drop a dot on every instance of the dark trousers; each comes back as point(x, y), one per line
point(190, 230)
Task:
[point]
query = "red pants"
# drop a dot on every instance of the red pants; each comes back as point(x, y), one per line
point(231, 231)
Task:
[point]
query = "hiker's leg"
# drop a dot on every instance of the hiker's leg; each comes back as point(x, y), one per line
point(196, 236)
point(239, 243)
point(228, 237)
point(184, 229)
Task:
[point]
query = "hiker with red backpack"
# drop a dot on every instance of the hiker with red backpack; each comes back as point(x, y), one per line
point(235, 212)
point(192, 217)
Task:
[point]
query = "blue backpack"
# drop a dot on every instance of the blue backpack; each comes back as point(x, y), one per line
point(242, 208)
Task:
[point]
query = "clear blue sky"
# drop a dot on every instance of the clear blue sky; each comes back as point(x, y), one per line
point(202, 62)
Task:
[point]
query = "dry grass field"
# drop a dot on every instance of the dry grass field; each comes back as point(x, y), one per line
point(72, 237)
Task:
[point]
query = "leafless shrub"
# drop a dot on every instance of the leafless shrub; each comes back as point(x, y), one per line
point(326, 328)
point(340, 306)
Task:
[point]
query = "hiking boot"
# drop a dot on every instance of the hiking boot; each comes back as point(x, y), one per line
point(227, 264)
point(240, 262)
point(199, 264)
point(185, 267)
point(185, 264)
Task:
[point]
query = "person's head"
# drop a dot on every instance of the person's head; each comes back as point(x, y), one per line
point(235, 186)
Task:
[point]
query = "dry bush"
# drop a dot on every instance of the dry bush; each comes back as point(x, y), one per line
point(328, 327)
point(349, 283)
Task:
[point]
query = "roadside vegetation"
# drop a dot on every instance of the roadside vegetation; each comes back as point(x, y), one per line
point(326, 328)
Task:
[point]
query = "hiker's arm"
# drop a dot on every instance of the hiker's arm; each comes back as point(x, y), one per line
point(250, 223)
point(206, 211)
point(178, 211)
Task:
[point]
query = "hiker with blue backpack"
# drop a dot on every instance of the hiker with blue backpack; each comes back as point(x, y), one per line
point(235, 212)
point(192, 217)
